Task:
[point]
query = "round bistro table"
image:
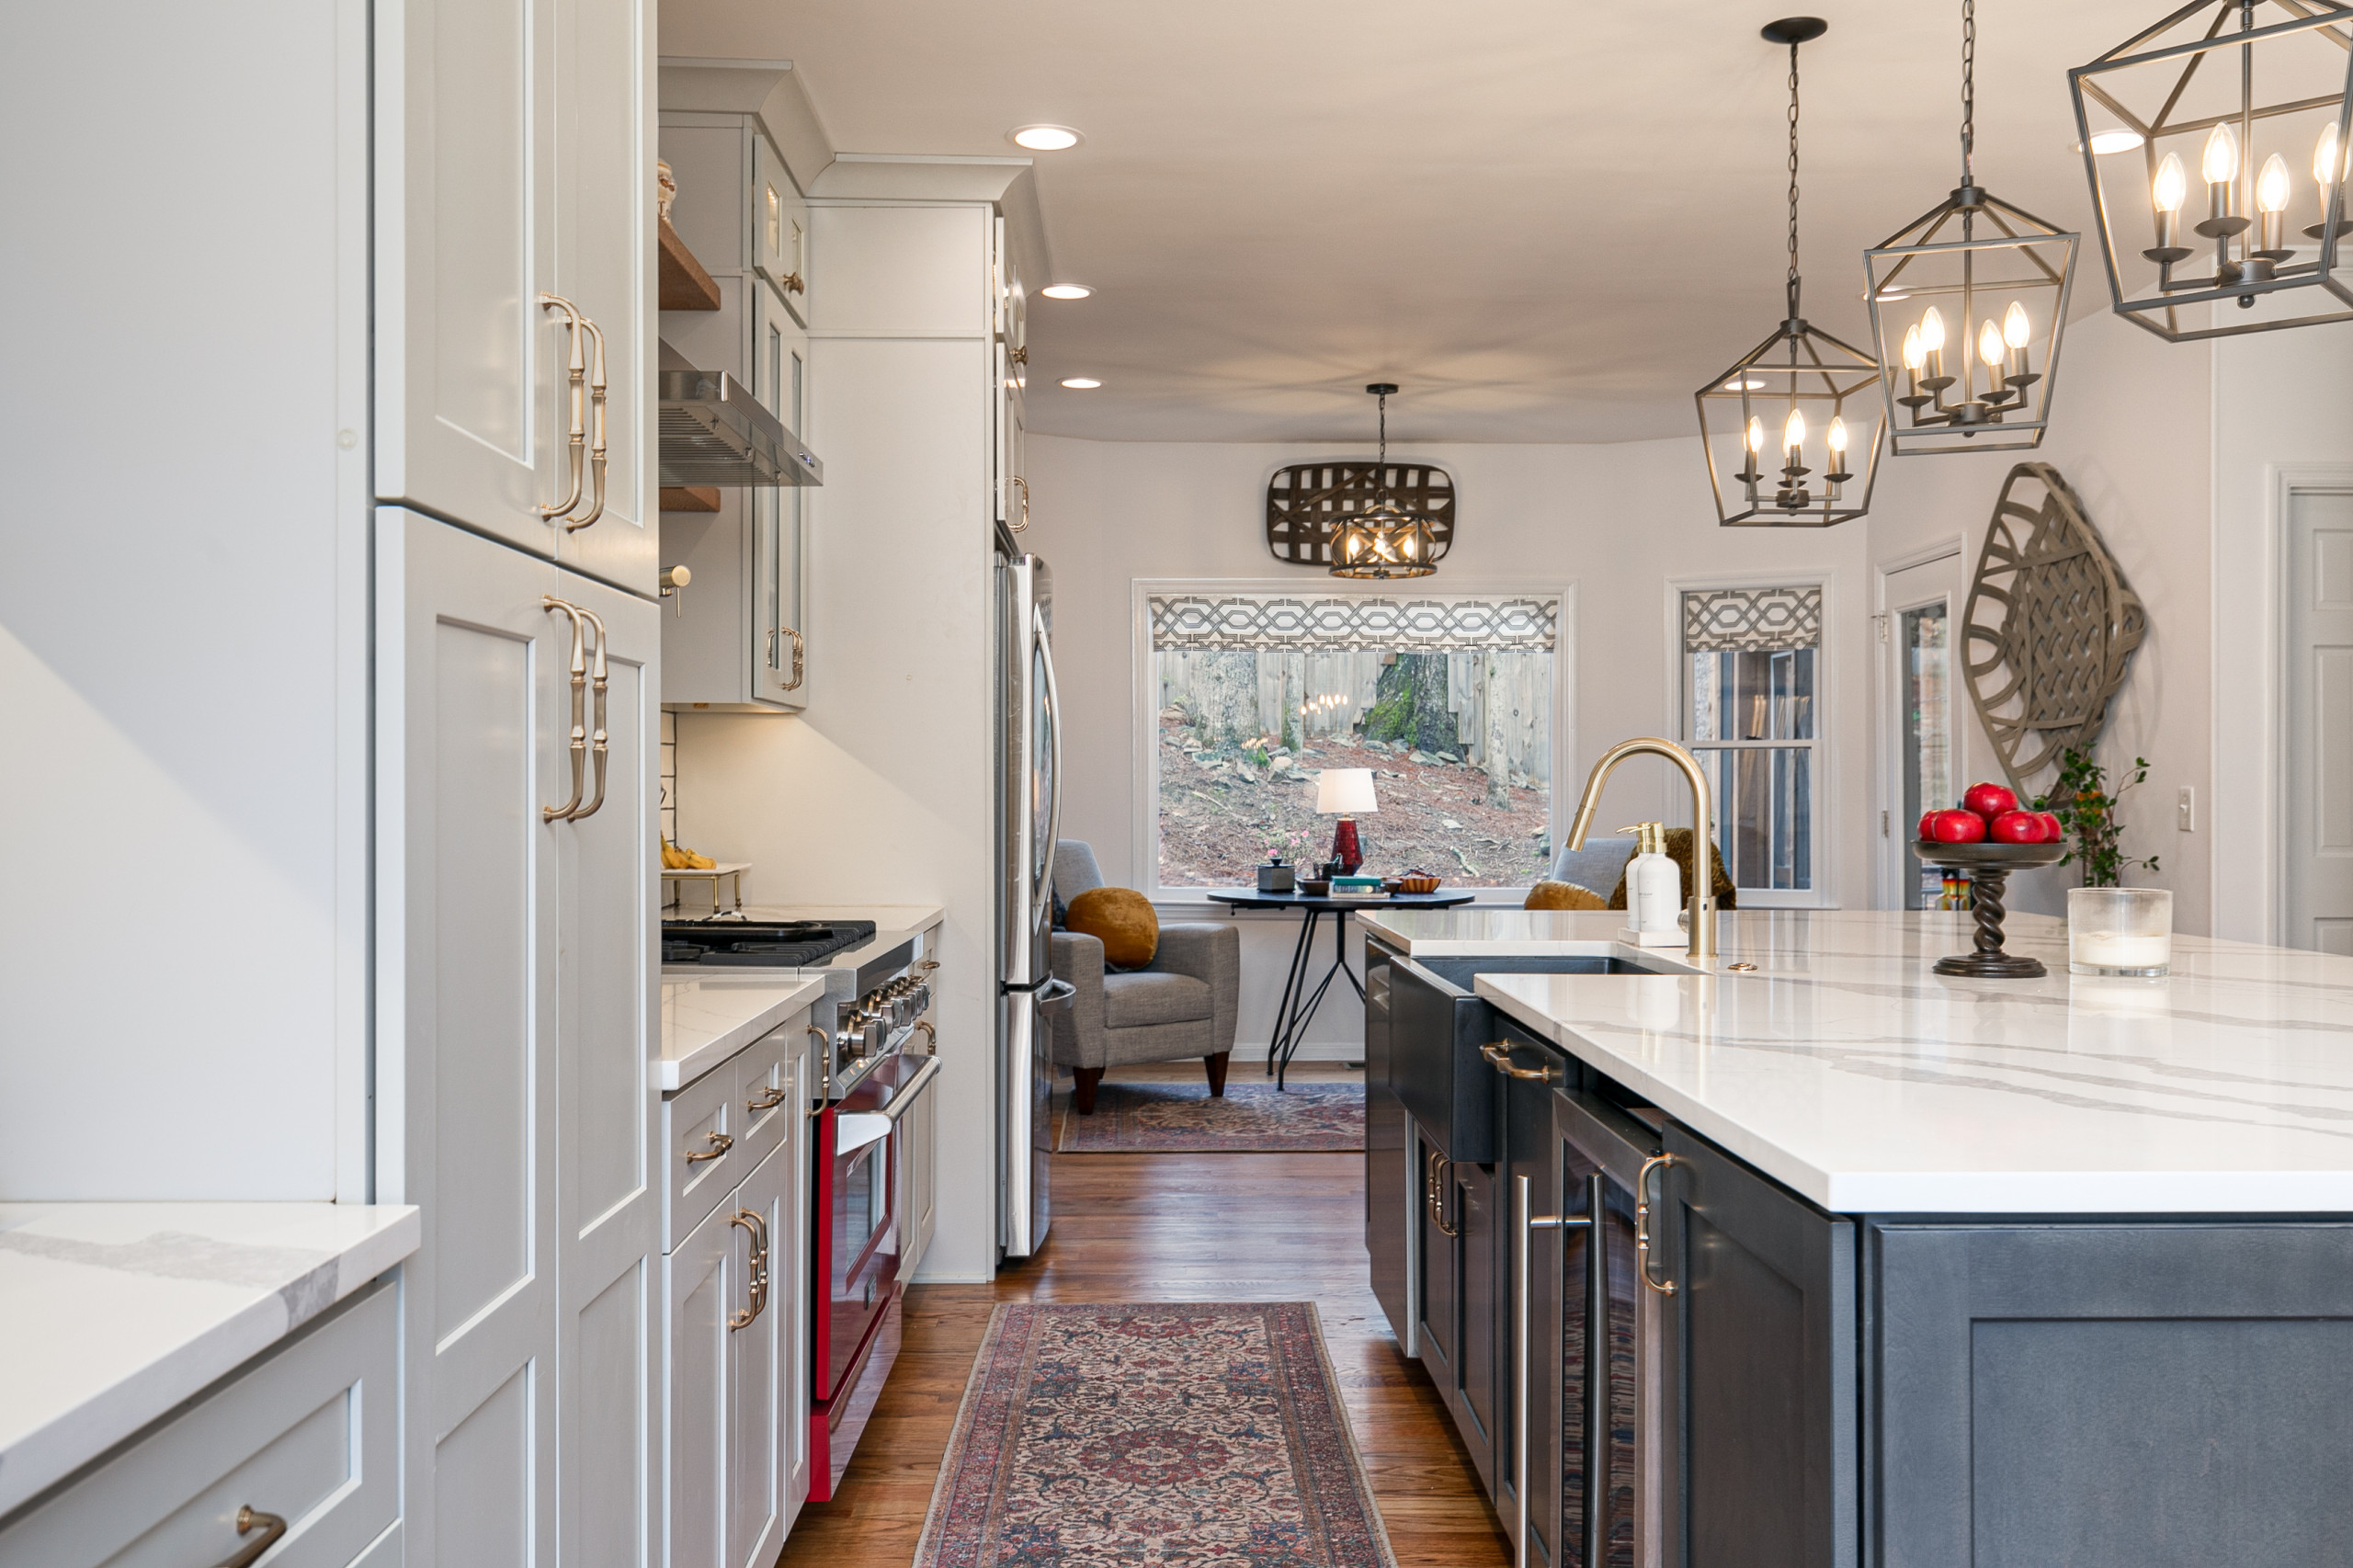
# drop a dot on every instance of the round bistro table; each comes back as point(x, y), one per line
point(1297, 1009)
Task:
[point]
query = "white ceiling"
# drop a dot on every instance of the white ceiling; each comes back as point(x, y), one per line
point(1548, 219)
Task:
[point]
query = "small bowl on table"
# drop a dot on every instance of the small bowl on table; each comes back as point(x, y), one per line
point(1316, 886)
point(1989, 867)
point(1418, 884)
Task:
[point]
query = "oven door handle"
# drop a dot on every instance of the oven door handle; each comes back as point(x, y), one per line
point(854, 1129)
point(905, 1100)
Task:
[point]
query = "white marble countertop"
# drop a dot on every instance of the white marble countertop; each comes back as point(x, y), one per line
point(112, 1313)
point(1475, 931)
point(1845, 1069)
point(708, 1016)
point(893, 924)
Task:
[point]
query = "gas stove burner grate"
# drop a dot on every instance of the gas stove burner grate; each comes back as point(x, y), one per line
point(791, 944)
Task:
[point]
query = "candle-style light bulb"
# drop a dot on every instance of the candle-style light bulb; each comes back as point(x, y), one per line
point(1914, 354)
point(2016, 330)
point(1793, 432)
point(1989, 346)
point(2222, 161)
point(1755, 435)
point(1836, 438)
point(2328, 164)
point(2171, 186)
point(2271, 189)
point(1932, 331)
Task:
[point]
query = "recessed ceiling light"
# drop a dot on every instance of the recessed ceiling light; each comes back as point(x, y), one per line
point(2119, 141)
point(1065, 291)
point(1046, 137)
point(1081, 382)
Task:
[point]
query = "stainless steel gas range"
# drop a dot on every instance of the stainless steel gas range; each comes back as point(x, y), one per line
point(871, 1067)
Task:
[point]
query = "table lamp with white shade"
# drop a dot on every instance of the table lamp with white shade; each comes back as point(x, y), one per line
point(1344, 792)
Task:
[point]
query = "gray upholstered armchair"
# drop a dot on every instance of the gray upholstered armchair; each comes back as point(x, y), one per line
point(1183, 1006)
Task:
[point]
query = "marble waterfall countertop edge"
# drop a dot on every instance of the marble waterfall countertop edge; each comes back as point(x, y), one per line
point(1847, 1070)
point(706, 1017)
point(114, 1314)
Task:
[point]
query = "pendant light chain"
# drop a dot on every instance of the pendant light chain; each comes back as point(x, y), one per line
point(1793, 182)
point(1968, 92)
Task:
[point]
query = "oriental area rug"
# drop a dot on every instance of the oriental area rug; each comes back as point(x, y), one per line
point(1151, 1118)
point(1161, 1434)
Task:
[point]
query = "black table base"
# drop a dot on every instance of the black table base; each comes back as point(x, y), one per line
point(1300, 999)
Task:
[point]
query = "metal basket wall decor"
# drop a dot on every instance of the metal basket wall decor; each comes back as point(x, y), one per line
point(1307, 502)
point(2051, 625)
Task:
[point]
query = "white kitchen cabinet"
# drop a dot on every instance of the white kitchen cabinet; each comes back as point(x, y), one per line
point(740, 638)
point(517, 1016)
point(307, 1433)
point(1012, 456)
point(919, 1194)
point(512, 161)
point(737, 1387)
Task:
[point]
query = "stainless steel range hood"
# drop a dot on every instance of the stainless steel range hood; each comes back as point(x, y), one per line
point(715, 432)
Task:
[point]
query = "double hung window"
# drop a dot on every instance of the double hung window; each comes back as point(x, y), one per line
point(1751, 661)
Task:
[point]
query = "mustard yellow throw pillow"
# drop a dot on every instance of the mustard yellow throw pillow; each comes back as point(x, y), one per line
point(1122, 920)
point(1551, 894)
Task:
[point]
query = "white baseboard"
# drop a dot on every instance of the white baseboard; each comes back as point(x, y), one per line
point(1314, 1051)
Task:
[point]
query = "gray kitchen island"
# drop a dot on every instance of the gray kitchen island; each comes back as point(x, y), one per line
point(1865, 1266)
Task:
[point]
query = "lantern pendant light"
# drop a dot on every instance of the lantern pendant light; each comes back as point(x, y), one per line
point(1815, 397)
point(1968, 305)
point(1384, 539)
point(2250, 94)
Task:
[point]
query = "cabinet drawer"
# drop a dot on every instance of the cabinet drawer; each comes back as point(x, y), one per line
point(700, 1125)
point(767, 1091)
point(310, 1433)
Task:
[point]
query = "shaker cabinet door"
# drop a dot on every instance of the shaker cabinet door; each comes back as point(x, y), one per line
point(702, 1285)
point(472, 395)
point(607, 1030)
point(758, 1354)
point(604, 263)
point(1760, 1380)
point(471, 751)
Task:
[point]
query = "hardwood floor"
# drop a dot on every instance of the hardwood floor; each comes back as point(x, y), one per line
point(1175, 1228)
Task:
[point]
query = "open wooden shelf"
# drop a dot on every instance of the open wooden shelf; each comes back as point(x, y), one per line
point(685, 285)
point(690, 498)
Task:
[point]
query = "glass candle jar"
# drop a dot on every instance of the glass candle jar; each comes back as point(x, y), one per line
point(2124, 931)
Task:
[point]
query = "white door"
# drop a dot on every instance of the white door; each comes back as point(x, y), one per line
point(469, 751)
point(2319, 660)
point(471, 372)
point(1923, 704)
point(703, 1286)
point(604, 262)
point(608, 1028)
point(759, 1360)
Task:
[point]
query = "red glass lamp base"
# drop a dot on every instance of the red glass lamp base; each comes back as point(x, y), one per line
point(1346, 853)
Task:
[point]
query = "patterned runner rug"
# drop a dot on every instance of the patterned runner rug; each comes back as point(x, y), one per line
point(1163, 1433)
point(1181, 1119)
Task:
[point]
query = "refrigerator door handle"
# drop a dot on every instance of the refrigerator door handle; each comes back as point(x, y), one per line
point(1055, 993)
point(1054, 726)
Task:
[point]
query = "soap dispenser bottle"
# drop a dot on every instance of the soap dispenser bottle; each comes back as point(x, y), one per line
point(1653, 890)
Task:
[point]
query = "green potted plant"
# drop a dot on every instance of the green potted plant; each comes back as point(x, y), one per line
point(2086, 815)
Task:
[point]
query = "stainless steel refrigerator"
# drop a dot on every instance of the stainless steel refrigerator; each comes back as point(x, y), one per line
point(1029, 783)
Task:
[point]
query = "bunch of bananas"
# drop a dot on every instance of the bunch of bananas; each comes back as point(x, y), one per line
point(677, 860)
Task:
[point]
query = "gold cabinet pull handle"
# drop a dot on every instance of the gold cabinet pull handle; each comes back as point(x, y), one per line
point(757, 1228)
point(929, 1034)
point(596, 438)
point(1022, 485)
point(1642, 1222)
point(792, 284)
point(720, 1143)
point(597, 742)
point(800, 650)
point(768, 1101)
point(577, 371)
point(1435, 1183)
point(1498, 1056)
point(250, 1519)
point(579, 704)
point(1017, 356)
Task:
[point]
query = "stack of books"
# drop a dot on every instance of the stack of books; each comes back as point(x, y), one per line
point(1357, 887)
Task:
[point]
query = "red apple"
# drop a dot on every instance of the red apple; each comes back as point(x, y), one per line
point(1928, 826)
point(1989, 801)
point(2051, 830)
point(2016, 828)
point(1957, 827)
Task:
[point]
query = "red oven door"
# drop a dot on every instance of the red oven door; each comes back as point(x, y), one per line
point(857, 1272)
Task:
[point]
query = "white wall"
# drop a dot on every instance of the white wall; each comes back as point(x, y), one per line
point(1616, 522)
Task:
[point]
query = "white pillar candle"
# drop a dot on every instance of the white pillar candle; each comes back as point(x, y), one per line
point(2109, 949)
